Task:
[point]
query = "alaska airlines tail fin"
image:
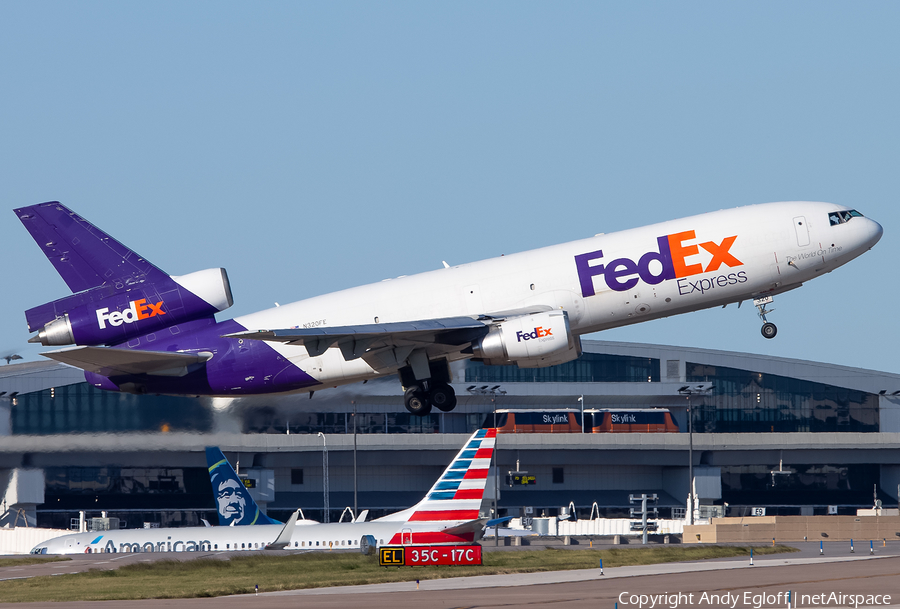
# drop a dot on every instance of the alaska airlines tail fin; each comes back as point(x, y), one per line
point(118, 294)
point(233, 503)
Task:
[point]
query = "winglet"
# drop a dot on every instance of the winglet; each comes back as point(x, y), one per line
point(284, 538)
point(496, 522)
point(234, 504)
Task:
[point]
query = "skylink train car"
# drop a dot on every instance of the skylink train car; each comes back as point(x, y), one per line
point(632, 420)
point(563, 420)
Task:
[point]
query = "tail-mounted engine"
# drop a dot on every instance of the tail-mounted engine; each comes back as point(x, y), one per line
point(105, 315)
point(531, 341)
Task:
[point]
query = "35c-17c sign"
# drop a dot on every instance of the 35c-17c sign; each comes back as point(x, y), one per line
point(423, 556)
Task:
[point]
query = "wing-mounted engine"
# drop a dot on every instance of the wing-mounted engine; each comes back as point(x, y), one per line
point(112, 314)
point(530, 341)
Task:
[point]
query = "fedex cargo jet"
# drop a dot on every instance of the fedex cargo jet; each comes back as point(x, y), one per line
point(448, 515)
point(138, 329)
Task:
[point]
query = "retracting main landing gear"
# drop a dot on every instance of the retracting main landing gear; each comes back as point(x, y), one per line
point(419, 398)
point(768, 330)
point(422, 394)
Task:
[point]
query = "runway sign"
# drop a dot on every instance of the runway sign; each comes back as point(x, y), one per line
point(422, 556)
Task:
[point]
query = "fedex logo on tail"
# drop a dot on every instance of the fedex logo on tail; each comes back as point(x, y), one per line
point(538, 332)
point(138, 309)
point(672, 259)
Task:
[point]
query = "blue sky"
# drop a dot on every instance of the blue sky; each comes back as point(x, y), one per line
point(312, 147)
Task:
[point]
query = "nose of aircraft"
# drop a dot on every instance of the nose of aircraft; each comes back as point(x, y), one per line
point(872, 233)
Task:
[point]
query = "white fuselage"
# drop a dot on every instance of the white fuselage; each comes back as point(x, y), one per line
point(318, 536)
point(447, 514)
point(719, 257)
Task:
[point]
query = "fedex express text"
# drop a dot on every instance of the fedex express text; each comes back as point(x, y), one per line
point(672, 259)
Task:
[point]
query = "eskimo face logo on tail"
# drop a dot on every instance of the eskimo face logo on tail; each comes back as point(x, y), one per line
point(230, 500)
point(138, 309)
point(671, 262)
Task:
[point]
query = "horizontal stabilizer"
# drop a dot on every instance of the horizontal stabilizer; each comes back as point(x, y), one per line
point(107, 361)
point(356, 339)
point(472, 526)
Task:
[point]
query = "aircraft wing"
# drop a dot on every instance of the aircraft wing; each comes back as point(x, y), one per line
point(481, 525)
point(506, 532)
point(114, 362)
point(356, 341)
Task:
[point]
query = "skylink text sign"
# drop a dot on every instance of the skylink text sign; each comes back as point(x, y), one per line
point(422, 556)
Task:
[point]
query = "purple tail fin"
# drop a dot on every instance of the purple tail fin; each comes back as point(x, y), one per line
point(118, 295)
point(83, 255)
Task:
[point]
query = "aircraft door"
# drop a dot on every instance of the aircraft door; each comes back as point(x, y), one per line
point(802, 231)
point(406, 537)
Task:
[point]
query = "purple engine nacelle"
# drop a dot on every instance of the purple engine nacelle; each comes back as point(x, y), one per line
point(106, 315)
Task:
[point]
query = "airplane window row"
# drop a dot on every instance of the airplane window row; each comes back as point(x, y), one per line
point(298, 544)
point(842, 217)
point(330, 544)
point(248, 546)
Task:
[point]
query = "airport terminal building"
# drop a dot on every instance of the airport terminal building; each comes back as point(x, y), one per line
point(790, 436)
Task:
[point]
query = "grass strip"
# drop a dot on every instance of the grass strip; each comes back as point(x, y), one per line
point(206, 577)
point(30, 560)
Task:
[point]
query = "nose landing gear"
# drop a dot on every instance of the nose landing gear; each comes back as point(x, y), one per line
point(768, 330)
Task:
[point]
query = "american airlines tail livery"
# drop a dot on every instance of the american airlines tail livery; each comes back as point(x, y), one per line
point(138, 329)
point(448, 515)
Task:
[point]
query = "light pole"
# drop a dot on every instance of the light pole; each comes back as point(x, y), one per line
point(324, 472)
point(688, 391)
point(581, 399)
point(493, 392)
point(355, 507)
point(496, 468)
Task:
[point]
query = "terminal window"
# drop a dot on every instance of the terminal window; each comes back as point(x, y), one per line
point(296, 476)
point(558, 475)
point(589, 368)
point(746, 401)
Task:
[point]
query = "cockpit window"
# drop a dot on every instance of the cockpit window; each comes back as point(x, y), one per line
point(842, 217)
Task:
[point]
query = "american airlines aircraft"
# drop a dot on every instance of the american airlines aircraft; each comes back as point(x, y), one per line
point(449, 514)
point(138, 329)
